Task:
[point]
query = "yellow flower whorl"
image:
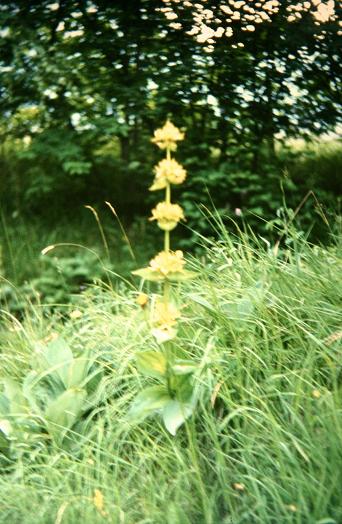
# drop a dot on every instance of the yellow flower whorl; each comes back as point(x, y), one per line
point(167, 171)
point(167, 262)
point(167, 215)
point(167, 136)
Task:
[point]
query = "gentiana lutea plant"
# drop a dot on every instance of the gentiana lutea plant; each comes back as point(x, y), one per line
point(173, 398)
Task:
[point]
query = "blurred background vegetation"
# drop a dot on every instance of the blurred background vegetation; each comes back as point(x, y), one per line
point(84, 85)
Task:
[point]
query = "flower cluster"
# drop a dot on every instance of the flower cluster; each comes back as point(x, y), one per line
point(168, 262)
point(167, 215)
point(168, 171)
point(164, 321)
point(168, 136)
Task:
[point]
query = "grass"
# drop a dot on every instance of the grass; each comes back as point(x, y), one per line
point(264, 445)
point(23, 240)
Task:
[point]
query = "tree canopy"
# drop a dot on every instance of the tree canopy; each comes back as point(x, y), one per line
point(79, 77)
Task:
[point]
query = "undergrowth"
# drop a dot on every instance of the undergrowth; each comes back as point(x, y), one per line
point(263, 446)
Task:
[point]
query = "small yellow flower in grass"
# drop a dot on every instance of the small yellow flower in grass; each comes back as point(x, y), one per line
point(316, 393)
point(238, 486)
point(98, 501)
point(50, 338)
point(167, 262)
point(74, 315)
point(167, 215)
point(142, 299)
point(334, 337)
point(168, 170)
point(167, 136)
point(164, 319)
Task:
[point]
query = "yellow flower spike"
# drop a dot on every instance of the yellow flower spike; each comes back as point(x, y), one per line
point(167, 262)
point(167, 136)
point(167, 266)
point(167, 215)
point(168, 170)
point(165, 313)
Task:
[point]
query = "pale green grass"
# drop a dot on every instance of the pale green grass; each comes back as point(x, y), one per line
point(264, 445)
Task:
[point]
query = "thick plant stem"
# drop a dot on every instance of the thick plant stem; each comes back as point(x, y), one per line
point(167, 233)
point(168, 371)
point(167, 241)
point(166, 290)
point(168, 193)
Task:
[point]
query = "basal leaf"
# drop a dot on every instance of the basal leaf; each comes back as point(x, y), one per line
point(152, 363)
point(175, 414)
point(59, 356)
point(183, 367)
point(4, 405)
point(149, 400)
point(13, 392)
point(76, 372)
point(4, 443)
point(62, 412)
point(182, 385)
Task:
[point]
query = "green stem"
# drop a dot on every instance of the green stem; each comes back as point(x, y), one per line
point(168, 373)
point(167, 241)
point(166, 291)
point(168, 193)
point(166, 284)
point(167, 233)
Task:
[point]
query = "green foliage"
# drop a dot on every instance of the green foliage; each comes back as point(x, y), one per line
point(59, 280)
point(174, 399)
point(73, 132)
point(177, 276)
point(50, 161)
point(260, 347)
point(52, 398)
point(302, 184)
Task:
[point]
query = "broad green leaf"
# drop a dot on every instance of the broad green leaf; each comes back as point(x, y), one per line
point(29, 383)
point(4, 405)
point(4, 442)
point(182, 386)
point(13, 392)
point(175, 414)
point(178, 276)
point(184, 367)
point(62, 412)
point(245, 308)
point(152, 363)
point(76, 372)
point(40, 387)
point(5, 427)
point(150, 399)
point(181, 276)
point(148, 274)
point(58, 356)
point(163, 335)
